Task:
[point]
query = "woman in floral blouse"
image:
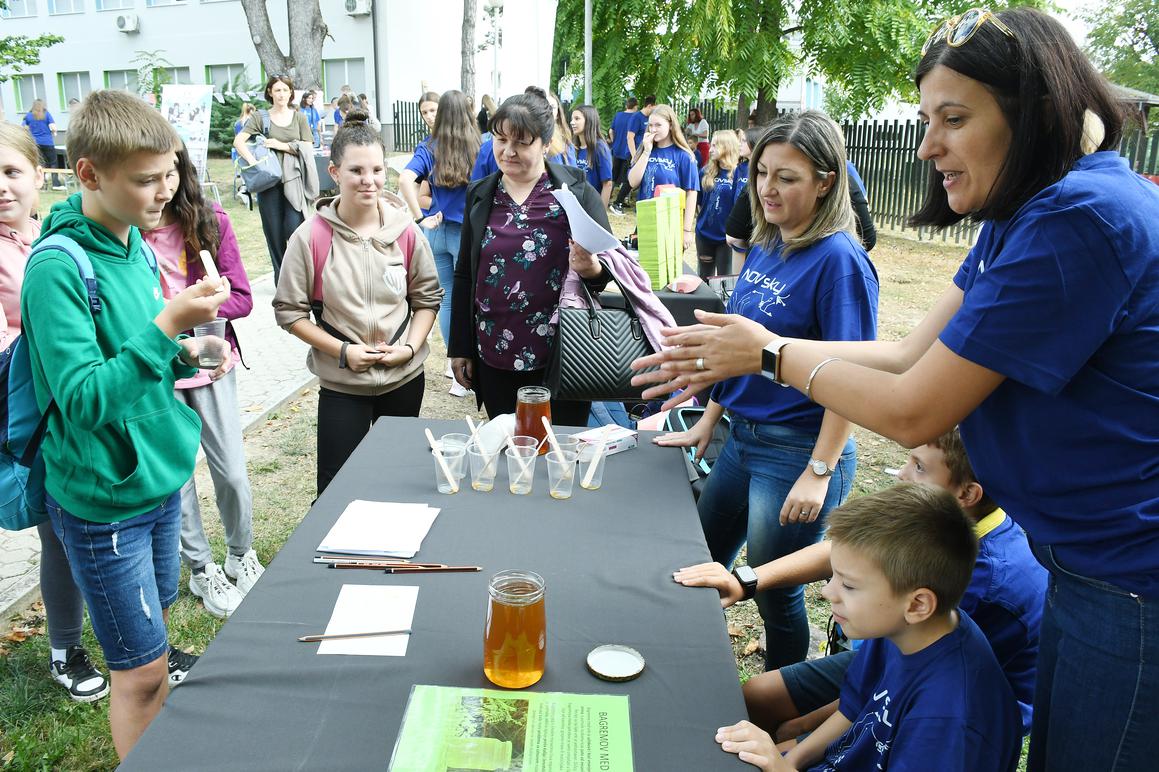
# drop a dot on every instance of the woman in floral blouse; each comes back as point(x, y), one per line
point(515, 252)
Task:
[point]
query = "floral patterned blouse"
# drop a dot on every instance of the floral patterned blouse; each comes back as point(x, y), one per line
point(523, 260)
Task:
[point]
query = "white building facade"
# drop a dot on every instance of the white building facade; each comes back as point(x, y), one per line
point(387, 49)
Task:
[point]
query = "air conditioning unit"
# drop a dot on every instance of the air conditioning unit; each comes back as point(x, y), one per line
point(129, 22)
point(358, 7)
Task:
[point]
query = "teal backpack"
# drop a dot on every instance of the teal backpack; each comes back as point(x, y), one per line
point(22, 424)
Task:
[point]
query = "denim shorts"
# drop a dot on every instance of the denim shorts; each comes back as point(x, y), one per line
point(815, 683)
point(128, 573)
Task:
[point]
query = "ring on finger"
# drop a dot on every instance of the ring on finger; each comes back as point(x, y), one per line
point(700, 363)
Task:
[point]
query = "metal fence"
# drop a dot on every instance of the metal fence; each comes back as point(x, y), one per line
point(406, 128)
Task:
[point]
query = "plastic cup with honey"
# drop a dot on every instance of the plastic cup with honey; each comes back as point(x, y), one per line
point(515, 634)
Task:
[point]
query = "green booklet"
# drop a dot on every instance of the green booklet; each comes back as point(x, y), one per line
point(450, 729)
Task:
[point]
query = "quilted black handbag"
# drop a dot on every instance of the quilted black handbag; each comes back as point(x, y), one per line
point(593, 353)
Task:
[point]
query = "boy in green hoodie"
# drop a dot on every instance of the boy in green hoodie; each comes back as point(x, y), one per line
point(118, 446)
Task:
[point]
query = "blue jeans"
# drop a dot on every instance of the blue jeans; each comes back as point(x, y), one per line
point(127, 573)
point(742, 501)
point(444, 241)
point(1096, 697)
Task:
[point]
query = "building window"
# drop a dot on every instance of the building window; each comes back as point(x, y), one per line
point(19, 9)
point(159, 3)
point(125, 80)
point(177, 75)
point(56, 7)
point(221, 76)
point(73, 85)
point(29, 88)
point(114, 5)
point(337, 73)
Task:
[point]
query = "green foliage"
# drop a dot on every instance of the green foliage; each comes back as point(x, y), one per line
point(20, 51)
point(865, 49)
point(223, 115)
point(1124, 42)
point(152, 73)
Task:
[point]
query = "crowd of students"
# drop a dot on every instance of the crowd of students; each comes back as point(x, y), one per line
point(957, 632)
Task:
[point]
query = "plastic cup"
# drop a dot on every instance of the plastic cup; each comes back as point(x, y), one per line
point(455, 440)
point(568, 443)
point(211, 344)
point(484, 467)
point(456, 461)
point(586, 455)
point(561, 471)
point(521, 467)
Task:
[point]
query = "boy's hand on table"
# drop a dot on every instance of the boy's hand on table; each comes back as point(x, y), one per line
point(753, 746)
point(712, 575)
point(193, 305)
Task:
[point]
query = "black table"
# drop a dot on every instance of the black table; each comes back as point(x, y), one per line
point(681, 304)
point(259, 700)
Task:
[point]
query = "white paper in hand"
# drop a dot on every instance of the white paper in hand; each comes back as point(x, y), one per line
point(585, 231)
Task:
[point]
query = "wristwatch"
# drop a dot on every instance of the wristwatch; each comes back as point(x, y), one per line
point(748, 580)
point(820, 468)
point(771, 360)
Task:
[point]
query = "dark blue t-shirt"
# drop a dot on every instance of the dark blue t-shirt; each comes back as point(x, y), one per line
point(947, 707)
point(449, 201)
point(598, 172)
point(672, 165)
point(827, 291)
point(715, 206)
point(39, 128)
point(485, 163)
point(742, 180)
point(1005, 597)
point(623, 123)
point(1063, 300)
point(337, 117)
point(639, 126)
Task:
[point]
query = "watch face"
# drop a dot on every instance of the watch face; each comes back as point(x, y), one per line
point(768, 361)
point(820, 468)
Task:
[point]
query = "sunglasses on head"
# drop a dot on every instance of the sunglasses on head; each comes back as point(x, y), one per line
point(958, 30)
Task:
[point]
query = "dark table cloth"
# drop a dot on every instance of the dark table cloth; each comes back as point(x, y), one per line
point(681, 304)
point(259, 699)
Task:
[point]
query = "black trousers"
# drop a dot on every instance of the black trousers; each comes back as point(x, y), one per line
point(279, 221)
point(344, 419)
point(620, 167)
point(721, 254)
point(497, 389)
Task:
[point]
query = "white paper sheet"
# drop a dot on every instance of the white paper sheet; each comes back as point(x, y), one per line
point(365, 608)
point(379, 529)
point(585, 231)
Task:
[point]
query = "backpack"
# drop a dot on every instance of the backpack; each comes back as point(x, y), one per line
point(321, 241)
point(22, 424)
point(681, 419)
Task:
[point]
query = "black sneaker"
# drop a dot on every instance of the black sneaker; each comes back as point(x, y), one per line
point(616, 209)
point(77, 674)
point(180, 663)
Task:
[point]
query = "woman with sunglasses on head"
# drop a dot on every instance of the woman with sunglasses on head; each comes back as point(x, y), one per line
point(1045, 349)
point(787, 462)
point(664, 158)
point(283, 206)
point(446, 162)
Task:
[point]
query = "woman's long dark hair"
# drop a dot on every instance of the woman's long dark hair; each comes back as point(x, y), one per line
point(455, 140)
point(197, 219)
point(592, 134)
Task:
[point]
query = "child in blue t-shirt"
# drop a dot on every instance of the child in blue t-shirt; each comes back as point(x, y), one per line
point(925, 690)
point(593, 156)
point(720, 186)
point(664, 158)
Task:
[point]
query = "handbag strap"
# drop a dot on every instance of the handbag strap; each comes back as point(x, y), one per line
point(593, 317)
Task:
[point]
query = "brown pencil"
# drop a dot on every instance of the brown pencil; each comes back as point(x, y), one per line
point(336, 636)
point(434, 570)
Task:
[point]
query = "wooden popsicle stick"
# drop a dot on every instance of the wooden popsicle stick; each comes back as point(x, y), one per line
point(442, 461)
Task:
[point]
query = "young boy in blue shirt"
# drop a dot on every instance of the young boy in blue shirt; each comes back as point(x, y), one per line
point(925, 690)
point(118, 446)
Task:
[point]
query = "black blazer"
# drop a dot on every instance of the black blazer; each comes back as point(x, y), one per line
point(480, 197)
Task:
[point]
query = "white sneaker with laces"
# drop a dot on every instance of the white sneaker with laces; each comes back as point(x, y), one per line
point(219, 596)
point(245, 570)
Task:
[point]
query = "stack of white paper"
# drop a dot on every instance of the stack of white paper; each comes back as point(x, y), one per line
point(365, 608)
point(379, 529)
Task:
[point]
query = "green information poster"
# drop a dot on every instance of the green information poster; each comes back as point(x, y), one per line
point(447, 729)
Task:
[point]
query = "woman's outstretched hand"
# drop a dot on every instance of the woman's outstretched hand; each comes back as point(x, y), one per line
point(723, 345)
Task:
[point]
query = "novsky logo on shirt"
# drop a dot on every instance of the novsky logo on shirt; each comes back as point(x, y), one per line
point(667, 163)
point(866, 725)
point(766, 293)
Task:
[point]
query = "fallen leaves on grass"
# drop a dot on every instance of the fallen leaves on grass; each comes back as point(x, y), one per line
point(735, 631)
point(752, 646)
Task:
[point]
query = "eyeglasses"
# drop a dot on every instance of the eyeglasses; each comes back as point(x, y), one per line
point(958, 30)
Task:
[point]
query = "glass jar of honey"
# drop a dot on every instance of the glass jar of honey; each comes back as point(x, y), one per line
point(515, 634)
point(532, 405)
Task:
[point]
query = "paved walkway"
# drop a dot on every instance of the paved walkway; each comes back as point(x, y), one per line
point(277, 371)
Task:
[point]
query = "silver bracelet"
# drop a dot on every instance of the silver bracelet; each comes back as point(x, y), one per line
point(812, 375)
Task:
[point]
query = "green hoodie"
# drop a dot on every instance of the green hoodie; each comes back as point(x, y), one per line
point(118, 443)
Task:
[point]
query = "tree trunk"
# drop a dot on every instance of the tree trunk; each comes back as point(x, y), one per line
point(307, 31)
point(742, 111)
point(766, 106)
point(467, 72)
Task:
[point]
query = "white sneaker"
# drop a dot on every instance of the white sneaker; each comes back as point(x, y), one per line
point(448, 373)
point(458, 391)
point(245, 570)
point(219, 596)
